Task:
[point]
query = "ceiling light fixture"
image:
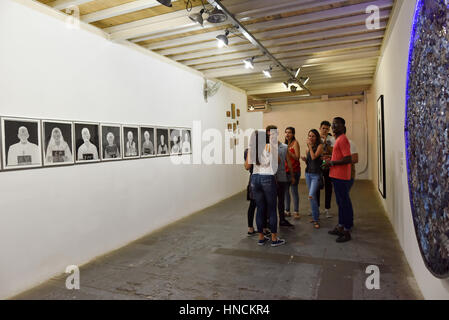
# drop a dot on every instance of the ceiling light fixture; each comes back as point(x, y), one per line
point(305, 80)
point(249, 63)
point(223, 40)
point(198, 17)
point(166, 3)
point(297, 72)
point(267, 72)
point(217, 16)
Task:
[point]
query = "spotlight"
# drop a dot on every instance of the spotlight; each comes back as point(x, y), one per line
point(166, 3)
point(267, 73)
point(197, 17)
point(217, 16)
point(293, 88)
point(249, 63)
point(305, 80)
point(223, 40)
point(297, 72)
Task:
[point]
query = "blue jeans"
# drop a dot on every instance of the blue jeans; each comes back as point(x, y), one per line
point(294, 190)
point(345, 211)
point(265, 193)
point(313, 183)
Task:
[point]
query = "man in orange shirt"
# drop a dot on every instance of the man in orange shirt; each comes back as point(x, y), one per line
point(340, 173)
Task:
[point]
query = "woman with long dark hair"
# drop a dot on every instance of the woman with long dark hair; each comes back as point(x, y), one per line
point(313, 172)
point(294, 155)
point(263, 156)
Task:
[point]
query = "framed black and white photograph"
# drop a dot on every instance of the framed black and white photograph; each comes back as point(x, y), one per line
point(381, 147)
point(57, 139)
point(186, 141)
point(162, 142)
point(87, 142)
point(175, 141)
point(111, 142)
point(21, 143)
point(131, 142)
point(148, 142)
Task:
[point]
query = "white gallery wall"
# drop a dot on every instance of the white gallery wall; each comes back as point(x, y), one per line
point(391, 82)
point(54, 217)
point(306, 116)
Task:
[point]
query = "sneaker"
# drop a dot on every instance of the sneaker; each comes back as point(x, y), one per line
point(297, 216)
point(345, 237)
point(278, 242)
point(287, 214)
point(267, 234)
point(337, 231)
point(250, 234)
point(285, 223)
point(328, 215)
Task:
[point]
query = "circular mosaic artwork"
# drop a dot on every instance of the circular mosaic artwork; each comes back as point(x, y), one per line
point(427, 132)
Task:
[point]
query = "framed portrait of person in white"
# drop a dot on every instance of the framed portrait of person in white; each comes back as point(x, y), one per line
point(147, 135)
point(186, 141)
point(130, 142)
point(21, 143)
point(162, 142)
point(111, 142)
point(87, 142)
point(57, 138)
point(175, 141)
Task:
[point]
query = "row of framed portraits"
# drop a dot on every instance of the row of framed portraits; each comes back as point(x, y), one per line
point(31, 143)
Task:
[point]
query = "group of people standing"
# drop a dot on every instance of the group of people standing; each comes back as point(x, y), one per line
point(275, 169)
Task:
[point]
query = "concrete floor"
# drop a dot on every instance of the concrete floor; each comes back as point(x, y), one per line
point(209, 256)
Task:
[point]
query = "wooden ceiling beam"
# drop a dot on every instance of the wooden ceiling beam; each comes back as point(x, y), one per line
point(325, 91)
point(281, 27)
point(64, 4)
point(258, 67)
point(282, 48)
point(289, 39)
point(119, 10)
point(173, 20)
point(240, 70)
point(315, 51)
point(317, 80)
point(280, 78)
point(362, 64)
point(280, 88)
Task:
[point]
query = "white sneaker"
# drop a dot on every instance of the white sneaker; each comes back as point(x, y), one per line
point(328, 215)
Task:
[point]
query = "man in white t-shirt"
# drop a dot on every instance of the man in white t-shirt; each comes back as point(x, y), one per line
point(23, 152)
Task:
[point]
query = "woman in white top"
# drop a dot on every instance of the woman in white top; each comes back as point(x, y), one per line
point(263, 155)
point(57, 150)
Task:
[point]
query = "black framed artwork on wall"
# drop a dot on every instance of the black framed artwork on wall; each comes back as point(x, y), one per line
point(381, 176)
